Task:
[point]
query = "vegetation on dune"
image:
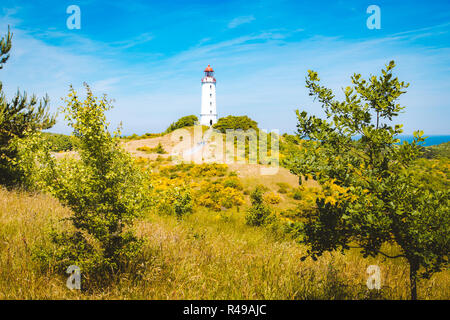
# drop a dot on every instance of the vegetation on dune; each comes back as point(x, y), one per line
point(187, 121)
point(158, 149)
point(183, 122)
point(193, 186)
point(440, 151)
point(235, 123)
point(144, 136)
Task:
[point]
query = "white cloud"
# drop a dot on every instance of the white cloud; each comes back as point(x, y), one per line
point(140, 39)
point(239, 21)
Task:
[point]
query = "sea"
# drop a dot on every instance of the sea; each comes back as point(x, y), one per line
point(431, 140)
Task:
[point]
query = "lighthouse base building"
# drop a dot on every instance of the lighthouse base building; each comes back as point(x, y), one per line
point(208, 115)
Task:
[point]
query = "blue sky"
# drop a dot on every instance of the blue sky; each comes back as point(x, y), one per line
point(149, 56)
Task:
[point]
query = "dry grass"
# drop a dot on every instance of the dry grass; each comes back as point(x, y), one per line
point(205, 256)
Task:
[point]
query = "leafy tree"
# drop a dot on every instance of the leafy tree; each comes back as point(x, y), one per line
point(104, 189)
point(186, 121)
point(18, 118)
point(372, 198)
point(235, 123)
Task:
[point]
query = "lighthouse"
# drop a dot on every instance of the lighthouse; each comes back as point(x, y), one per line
point(208, 115)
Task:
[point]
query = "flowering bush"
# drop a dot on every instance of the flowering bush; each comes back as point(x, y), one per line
point(272, 198)
point(175, 201)
point(207, 185)
point(215, 196)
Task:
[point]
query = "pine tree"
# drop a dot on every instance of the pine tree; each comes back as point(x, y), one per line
point(5, 47)
point(18, 118)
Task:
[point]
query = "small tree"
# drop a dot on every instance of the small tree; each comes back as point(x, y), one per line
point(103, 189)
point(259, 213)
point(18, 119)
point(159, 149)
point(375, 198)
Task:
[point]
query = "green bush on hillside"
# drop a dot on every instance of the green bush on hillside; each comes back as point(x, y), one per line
point(235, 123)
point(435, 152)
point(60, 142)
point(259, 213)
point(186, 121)
point(158, 149)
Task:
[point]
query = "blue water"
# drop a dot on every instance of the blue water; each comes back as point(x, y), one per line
point(430, 141)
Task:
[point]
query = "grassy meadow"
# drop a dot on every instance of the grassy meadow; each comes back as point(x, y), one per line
point(207, 255)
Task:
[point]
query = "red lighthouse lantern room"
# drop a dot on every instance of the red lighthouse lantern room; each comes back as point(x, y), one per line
point(209, 72)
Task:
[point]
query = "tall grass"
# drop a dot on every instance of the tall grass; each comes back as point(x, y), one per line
point(207, 255)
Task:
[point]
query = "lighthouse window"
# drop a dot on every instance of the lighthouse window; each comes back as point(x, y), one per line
point(210, 86)
point(210, 94)
point(210, 103)
point(210, 111)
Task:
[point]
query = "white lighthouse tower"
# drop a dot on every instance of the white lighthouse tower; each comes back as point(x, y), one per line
point(208, 115)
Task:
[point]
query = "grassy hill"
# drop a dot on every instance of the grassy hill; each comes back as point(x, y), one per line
point(209, 254)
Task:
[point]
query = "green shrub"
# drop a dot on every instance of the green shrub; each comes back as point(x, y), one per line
point(297, 194)
point(144, 136)
point(175, 201)
point(233, 182)
point(235, 123)
point(186, 121)
point(60, 142)
point(144, 148)
point(103, 190)
point(259, 213)
point(438, 151)
point(159, 149)
point(272, 198)
point(283, 187)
